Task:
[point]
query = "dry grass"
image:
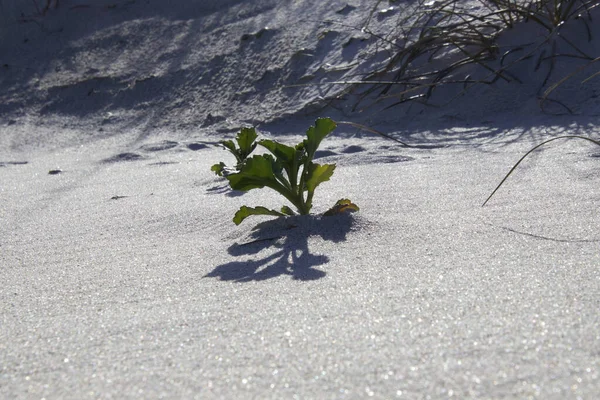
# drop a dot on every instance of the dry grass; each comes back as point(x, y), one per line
point(441, 43)
point(514, 167)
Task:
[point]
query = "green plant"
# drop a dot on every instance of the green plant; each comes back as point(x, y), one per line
point(246, 140)
point(290, 171)
point(531, 151)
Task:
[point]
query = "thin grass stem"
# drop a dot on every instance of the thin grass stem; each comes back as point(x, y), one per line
point(531, 151)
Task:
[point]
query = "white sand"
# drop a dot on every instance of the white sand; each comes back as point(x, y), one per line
point(124, 277)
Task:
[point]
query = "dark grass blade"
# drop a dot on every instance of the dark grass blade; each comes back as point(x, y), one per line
point(564, 79)
point(531, 151)
point(375, 131)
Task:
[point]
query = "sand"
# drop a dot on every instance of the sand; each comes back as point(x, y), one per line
point(123, 275)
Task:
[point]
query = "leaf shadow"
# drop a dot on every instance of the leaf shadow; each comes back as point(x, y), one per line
point(286, 242)
point(226, 190)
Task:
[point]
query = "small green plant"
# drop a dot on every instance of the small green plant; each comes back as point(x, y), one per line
point(290, 171)
point(531, 151)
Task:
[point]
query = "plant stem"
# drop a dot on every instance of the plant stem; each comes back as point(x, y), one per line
point(293, 197)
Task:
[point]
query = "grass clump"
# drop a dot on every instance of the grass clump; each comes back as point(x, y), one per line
point(456, 43)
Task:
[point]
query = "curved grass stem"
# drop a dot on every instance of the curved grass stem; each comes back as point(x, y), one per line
point(531, 151)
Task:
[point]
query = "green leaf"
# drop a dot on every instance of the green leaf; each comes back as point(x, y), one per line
point(315, 134)
point(218, 168)
point(244, 212)
point(342, 205)
point(256, 172)
point(280, 151)
point(287, 211)
point(245, 140)
point(288, 158)
point(318, 174)
point(260, 171)
point(229, 145)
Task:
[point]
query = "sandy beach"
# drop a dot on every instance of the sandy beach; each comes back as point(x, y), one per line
point(123, 275)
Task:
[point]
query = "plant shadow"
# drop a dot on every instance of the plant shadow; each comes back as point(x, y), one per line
point(225, 189)
point(286, 241)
